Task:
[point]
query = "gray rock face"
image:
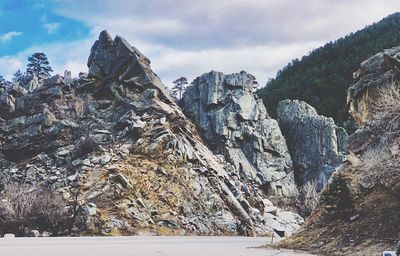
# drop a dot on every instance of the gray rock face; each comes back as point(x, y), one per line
point(315, 143)
point(376, 72)
point(117, 60)
point(32, 84)
point(235, 123)
point(142, 165)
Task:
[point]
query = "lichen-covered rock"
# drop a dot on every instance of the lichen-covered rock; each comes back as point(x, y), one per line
point(138, 162)
point(235, 123)
point(315, 143)
point(376, 72)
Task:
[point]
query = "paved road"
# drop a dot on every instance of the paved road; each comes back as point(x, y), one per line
point(139, 246)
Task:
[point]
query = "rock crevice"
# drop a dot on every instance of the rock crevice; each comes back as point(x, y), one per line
point(235, 124)
point(315, 143)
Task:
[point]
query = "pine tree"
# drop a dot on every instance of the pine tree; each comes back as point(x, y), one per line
point(3, 81)
point(18, 76)
point(39, 65)
point(179, 86)
point(337, 196)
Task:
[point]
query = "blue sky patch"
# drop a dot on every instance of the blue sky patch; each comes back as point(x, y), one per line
point(31, 22)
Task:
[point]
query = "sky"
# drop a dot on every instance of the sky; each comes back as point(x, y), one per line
point(181, 37)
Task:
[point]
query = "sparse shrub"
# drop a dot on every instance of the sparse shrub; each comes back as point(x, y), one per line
point(17, 208)
point(380, 164)
point(52, 211)
point(86, 146)
point(309, 197)
point(386, 110)
point(373, 165)
point(24, 206)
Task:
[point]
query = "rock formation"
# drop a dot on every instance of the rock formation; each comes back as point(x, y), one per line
point(315, 143)
point(371, 171)
point(235, 124)
point(376, 72)
point(139, 163)
point(31, 84)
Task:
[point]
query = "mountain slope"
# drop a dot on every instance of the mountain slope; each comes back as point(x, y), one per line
point(362, 195)
point(122, 155)
point(322, 77)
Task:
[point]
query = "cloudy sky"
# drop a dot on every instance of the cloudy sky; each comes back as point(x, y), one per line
point(181, 37)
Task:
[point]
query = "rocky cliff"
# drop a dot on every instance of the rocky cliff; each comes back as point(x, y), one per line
point(374, 73)
point(362, 195)
point(235, 124)
point(137, 161)
point(315, 143)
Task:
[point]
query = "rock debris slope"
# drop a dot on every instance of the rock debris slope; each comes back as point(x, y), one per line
point(141, 166)
point(315, 143)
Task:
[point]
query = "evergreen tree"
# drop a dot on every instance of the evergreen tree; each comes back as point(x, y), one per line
point(179, 87)
point(39, 66)
point(18, 76)
point(337, 196)
point(2, 81)
point(322, 77)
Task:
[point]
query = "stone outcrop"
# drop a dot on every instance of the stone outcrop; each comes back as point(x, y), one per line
point(140, 163)
point(376, 72)
point(117, 60)
point(235, 124)
point(31, 84)
point(315, 143)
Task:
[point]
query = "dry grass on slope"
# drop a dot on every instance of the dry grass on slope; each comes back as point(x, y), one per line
point(372, 223)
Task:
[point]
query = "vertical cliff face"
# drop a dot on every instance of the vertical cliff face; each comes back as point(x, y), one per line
point(235, 124)
point(315, 143)
point(376, 72)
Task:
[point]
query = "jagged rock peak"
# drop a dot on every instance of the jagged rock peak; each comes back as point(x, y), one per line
point(117, 60)
point(378, 71)
point(140, 161)
point(315, 143)
point(235, 123)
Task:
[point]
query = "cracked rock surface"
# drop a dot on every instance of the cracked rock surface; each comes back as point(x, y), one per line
point(235, 124)
point(315, 143)
point(140, 164)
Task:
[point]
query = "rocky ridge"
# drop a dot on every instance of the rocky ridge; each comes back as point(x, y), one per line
point(317, 146)
point(139, 164)
point(235, 124)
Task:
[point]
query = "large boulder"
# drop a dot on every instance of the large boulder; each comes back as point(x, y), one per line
point(376, 72)
point(235, 123)
point(315, 143)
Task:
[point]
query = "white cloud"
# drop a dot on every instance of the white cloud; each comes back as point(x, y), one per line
point(261, 61)
point(9, 64)
point(225, 23)
point(51, 27)
point(8, 36)
point(193, 37)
